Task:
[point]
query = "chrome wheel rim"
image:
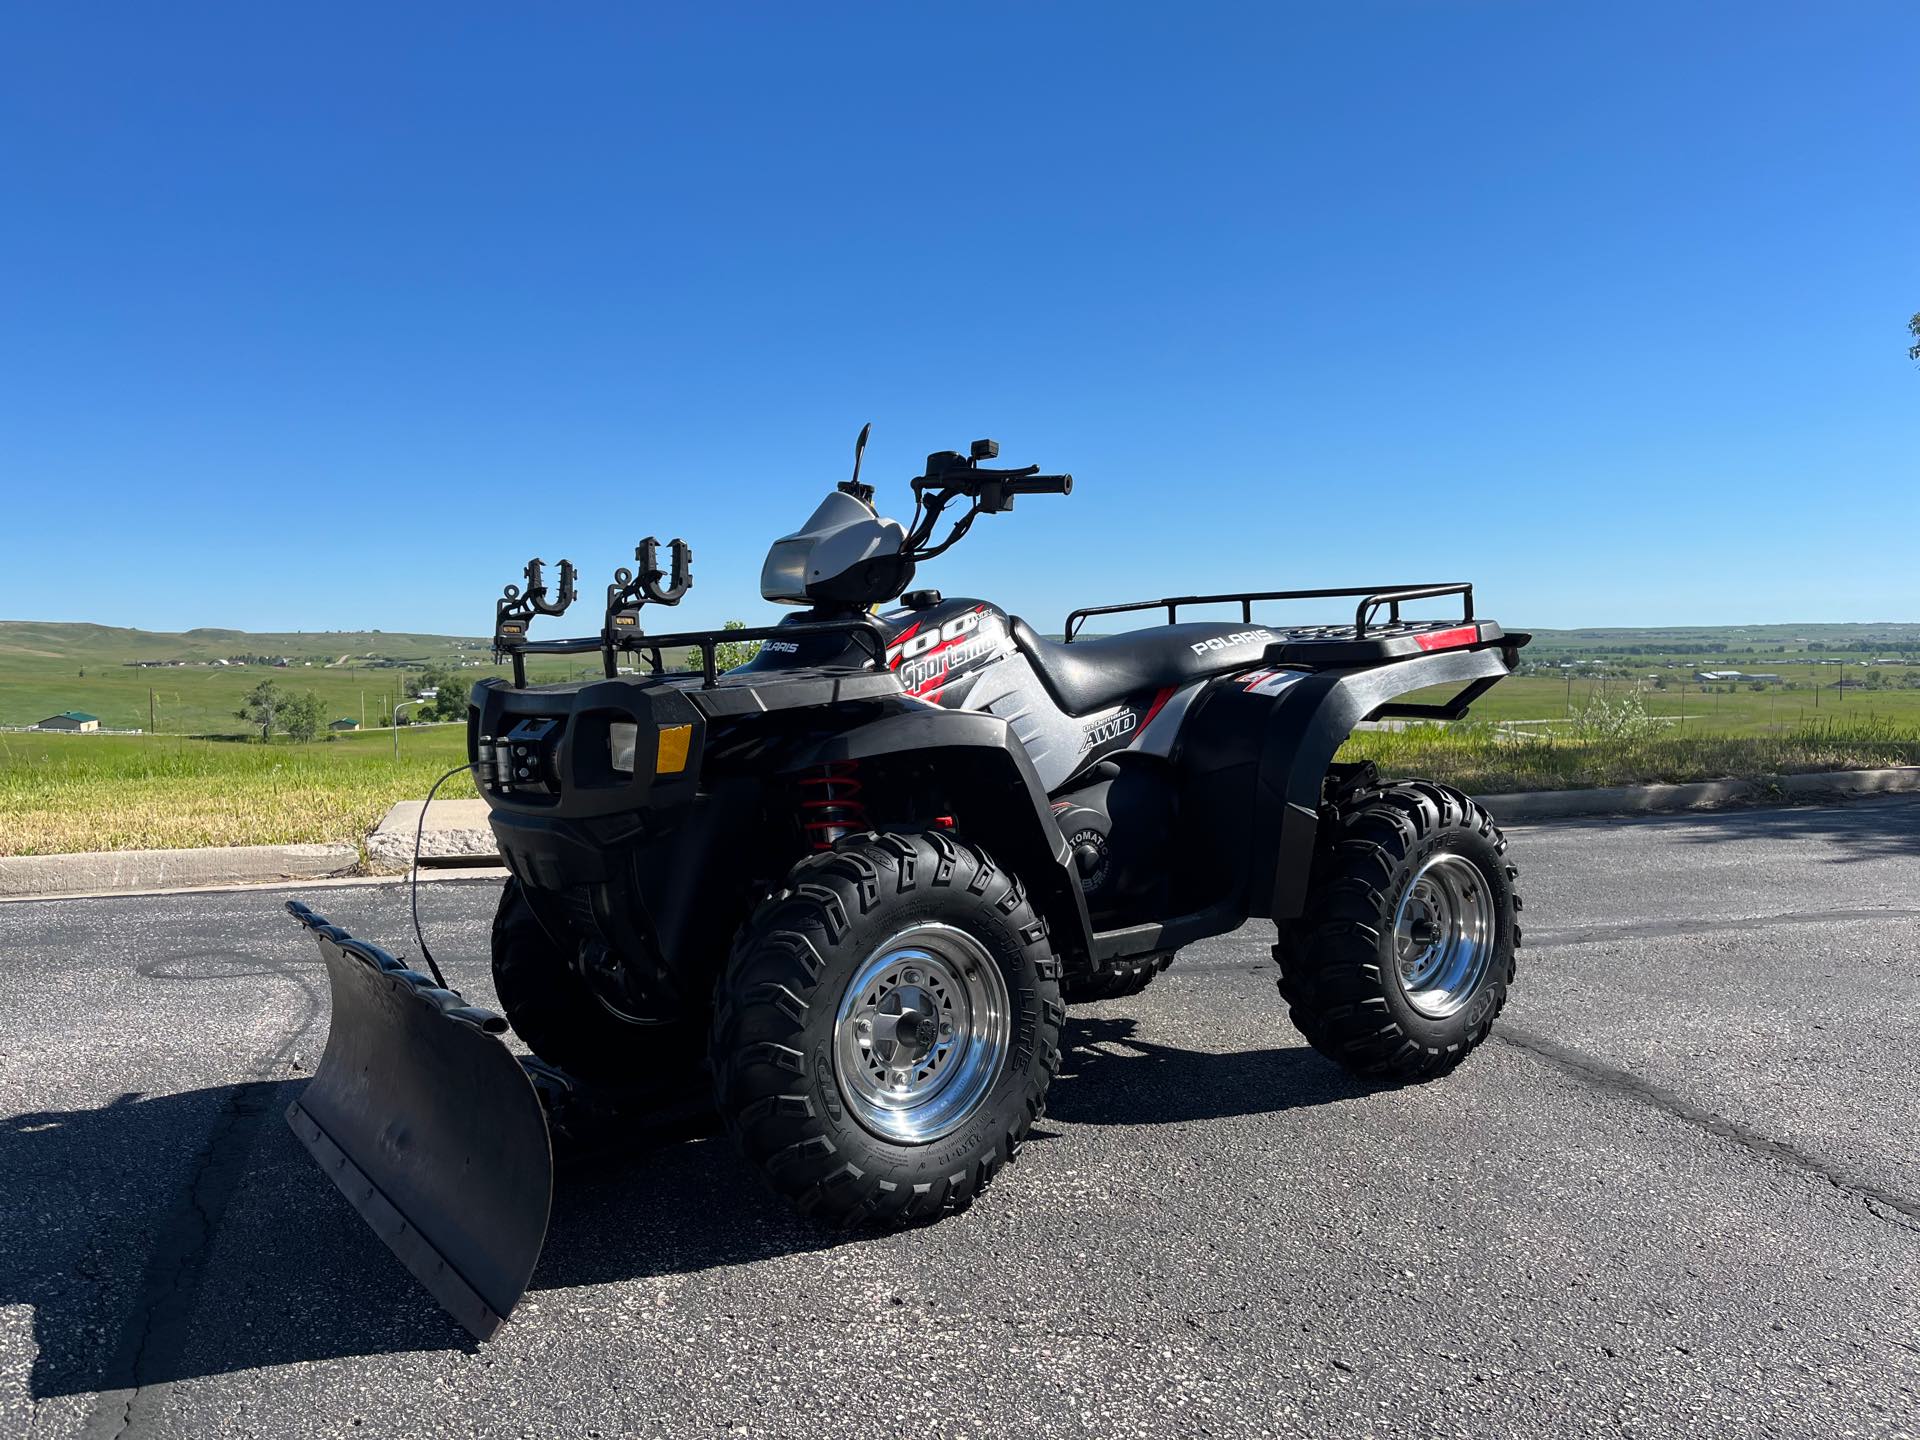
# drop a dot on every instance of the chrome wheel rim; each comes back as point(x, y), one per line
point(922, 1033)
point(1443, 934)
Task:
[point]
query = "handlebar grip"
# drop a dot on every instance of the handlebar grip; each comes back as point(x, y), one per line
point(1041, 485)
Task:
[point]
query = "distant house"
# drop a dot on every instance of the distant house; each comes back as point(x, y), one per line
point(1733, 677)
point(70, 720)
point(344, 725)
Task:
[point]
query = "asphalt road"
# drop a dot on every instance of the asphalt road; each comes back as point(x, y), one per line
point(1679, 1193)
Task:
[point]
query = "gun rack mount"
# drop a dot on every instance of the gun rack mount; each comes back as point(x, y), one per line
point(620, 630)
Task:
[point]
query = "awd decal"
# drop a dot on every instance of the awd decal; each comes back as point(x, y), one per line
point(1228, 642)
point(1110, 726)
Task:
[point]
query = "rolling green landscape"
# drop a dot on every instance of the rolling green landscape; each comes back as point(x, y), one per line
point(1591, 707)
point(200, 774)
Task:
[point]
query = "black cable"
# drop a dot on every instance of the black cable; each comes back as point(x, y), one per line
point(414, 895)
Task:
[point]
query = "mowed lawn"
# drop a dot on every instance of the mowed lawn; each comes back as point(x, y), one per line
point(61, 793)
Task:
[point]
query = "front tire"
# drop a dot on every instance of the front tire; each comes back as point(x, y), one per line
point(886, 1029)
point(1404, 955)
point(551, 1008)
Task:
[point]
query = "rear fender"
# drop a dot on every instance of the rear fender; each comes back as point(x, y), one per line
point(1007, 813)
point(1308, 723)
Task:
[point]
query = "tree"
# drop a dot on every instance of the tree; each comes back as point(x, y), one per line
point(450, 695)
point(1913, 329)
point(262, 707)
point(302, 716)
point(728, 653)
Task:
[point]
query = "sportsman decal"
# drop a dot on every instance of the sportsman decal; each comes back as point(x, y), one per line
point(925, 658)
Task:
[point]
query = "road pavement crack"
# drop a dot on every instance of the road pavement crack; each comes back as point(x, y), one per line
point(1645, 929)
point(1876, 1200)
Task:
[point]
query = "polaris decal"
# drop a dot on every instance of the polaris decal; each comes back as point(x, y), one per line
point(1228, 642)
point(1110, 726)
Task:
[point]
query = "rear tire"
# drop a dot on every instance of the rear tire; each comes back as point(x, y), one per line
point(1114, 980)
point(1404, 955)
point(552, 1009)
point(886, 1029)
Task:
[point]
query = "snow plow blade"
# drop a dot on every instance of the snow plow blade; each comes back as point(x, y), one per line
point(431, 1127)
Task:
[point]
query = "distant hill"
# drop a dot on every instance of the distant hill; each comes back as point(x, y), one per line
point(113, 644)
point(172, 682)
point(1888, 637)
point(175, 683)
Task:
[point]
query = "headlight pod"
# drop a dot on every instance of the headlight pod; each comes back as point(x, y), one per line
point(622, 736)
point(672, 746)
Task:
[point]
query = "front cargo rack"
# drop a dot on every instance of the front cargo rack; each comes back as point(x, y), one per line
point(1372, 598)
point(862, 630)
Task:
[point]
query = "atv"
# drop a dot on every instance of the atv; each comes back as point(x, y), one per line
point(843, 892)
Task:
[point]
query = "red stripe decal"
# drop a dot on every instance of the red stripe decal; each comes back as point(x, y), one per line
point(1448, 639)
point(1154, 709)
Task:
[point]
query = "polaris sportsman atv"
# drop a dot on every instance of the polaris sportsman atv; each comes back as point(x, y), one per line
point(854, 880)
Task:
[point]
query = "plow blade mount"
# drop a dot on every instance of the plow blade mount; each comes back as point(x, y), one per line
point(431, 1127)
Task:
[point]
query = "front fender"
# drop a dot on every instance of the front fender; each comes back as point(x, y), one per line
point(983, 763)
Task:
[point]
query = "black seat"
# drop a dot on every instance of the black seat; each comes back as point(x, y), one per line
point(1087, 674)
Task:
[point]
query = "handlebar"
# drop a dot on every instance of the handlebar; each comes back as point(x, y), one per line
point(950, 474)
point(1040, 485)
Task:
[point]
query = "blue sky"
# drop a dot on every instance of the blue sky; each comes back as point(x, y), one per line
point(330, 316)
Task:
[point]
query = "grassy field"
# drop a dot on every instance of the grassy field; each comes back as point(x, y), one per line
point(1484, 758)
point(112, 792)
point(61, 793)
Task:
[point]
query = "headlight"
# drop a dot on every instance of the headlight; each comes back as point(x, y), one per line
point(621, 738)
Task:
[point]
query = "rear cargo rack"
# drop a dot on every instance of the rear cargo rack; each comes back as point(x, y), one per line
point(1373, 597)
point(862, 629)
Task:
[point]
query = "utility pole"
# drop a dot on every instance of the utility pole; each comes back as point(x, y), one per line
point(363, 709)
point(150, 710)
point(396, 723)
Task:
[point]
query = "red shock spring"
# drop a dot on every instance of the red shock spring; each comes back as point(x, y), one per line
point(830, 804)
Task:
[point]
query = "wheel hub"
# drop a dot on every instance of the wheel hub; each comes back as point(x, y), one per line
point(923, 1031)
point(1444, 934)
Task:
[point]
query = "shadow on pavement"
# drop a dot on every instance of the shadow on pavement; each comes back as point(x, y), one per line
point(1111, 1077)
point(177, 1236)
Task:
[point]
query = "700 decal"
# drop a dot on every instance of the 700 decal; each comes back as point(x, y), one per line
point(925, 641)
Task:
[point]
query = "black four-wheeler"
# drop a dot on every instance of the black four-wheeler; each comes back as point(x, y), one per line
point(851, 884)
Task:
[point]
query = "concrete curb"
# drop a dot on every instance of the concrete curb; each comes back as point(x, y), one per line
point(117, 871)
point(1703, 795)
point(456, 833)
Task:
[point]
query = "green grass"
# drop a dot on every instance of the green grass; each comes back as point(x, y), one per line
point(1773, 711)
point(113, 792)
point(1484, 758)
